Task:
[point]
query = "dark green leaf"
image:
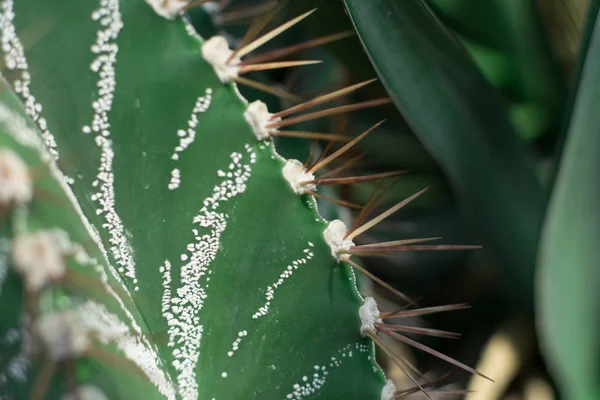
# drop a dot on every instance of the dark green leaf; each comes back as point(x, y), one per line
point(567, 301)
point(462, 121)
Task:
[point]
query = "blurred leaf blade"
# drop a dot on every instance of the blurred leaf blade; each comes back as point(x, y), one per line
point(462, 121)
point(515, 30)
point(588, 30)
point(568, 311)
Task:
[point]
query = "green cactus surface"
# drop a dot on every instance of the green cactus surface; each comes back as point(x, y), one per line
point(193, 270)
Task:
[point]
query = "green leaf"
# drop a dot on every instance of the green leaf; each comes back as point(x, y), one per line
point(567, 298)
point(515, 30)
point(586, 37)
point(462, 121)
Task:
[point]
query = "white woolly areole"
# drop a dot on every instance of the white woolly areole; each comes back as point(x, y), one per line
point(388, 391)
point(15, 183)
point(334, 236)
point(63, 334)
point(295, 174)
point(258, 116)
point(369, 314)
point(168, 8)
point(85, 392)
point(212, 7)
point(216, 52)
point(38, 258)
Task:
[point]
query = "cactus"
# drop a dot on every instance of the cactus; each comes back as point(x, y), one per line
point(205, 276)
point(153, 243)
